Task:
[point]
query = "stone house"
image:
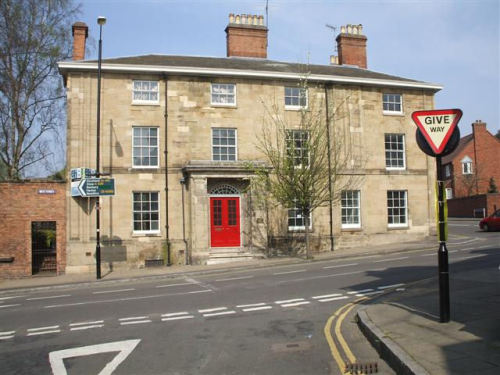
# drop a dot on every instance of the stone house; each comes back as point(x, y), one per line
point(177, 134)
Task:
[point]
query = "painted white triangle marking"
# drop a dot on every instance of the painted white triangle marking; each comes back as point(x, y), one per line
point(124, 347)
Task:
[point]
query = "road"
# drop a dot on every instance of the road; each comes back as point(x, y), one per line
point(255, 321)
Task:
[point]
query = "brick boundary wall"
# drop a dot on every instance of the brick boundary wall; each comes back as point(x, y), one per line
point(22, 203)
point(464, 207)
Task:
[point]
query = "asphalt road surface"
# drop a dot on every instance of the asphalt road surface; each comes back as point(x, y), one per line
point(257, 321)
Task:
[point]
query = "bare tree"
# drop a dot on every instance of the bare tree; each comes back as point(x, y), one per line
point(300, 172)
point(34, 35)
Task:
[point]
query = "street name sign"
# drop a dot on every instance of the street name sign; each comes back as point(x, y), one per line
point(96, 187)
point(437, 126)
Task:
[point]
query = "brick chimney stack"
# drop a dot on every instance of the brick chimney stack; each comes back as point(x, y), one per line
point(246, 36)
point(80, 34)
point(351, 46)
point(478, 126)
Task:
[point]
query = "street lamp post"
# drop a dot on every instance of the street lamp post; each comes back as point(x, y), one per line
point(100, 21)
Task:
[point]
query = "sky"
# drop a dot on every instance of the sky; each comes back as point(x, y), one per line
point(452, 43)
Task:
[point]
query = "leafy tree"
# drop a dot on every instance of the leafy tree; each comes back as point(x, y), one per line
point(299, 173)
point(34, 35)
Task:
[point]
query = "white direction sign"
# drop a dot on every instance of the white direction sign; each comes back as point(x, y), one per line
point(123, 347)
point(437, 126)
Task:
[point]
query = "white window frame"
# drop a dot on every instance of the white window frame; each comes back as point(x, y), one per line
point(292, 228)
point(220, 104)
point(354, 207)
point(449, 193)
point(296, 107)
point(148, 146)
point(150, 231)
point(290, 134)
point(142, 101)
point(386, 99)
point(235, 146)
point(467, 165)
point(398, 225)
point(403, 152)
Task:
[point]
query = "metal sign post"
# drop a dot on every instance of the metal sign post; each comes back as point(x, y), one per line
point(437, 136)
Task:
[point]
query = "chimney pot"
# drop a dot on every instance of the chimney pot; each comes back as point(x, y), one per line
point(237, 18)
point(231, 18)
point(351, 46)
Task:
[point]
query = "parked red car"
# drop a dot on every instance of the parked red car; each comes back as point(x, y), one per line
point(491, 222)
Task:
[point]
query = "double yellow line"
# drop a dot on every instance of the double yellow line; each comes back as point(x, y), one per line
point(340, 315)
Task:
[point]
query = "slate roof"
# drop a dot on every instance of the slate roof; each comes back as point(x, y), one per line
point(461, 144)
point(244, 64)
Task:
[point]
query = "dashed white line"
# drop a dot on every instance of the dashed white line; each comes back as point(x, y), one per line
point(389, 260)
point(133, 318)
point(10, 297)
point(135, 322)
point(220, 313)
point(177, 318)
point(369, 293)
point(389, 286)
point(86, 323)
point(252, 305)
point(114, 291)
point(212, 310)
point(295, 304)
point(236, 278)
point(48, 297)
point(267, 307)
point(43, 332)
point(289, 301)
point(7, 335)
point(288, 272)
point(86, 327)
point(3, 306)
point(327, 296)
point(174, 314)
point(42, 328)
point(178, 284)
point(360, 291)
point(333, 299)
point(428, 255)
point(341, 265)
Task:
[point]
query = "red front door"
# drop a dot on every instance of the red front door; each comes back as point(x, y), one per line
point(225, 221)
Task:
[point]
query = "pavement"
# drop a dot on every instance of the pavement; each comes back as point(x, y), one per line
point(403, 327)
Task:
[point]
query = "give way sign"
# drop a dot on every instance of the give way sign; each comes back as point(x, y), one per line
point(437, 126)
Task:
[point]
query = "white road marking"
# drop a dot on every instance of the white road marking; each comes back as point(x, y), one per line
point(114, 291)
point(135, 322)
point(6, 337)
point(169, 285)
point(42, 328)
point(2, 306)
point(257, 308)
point(133, 318)
point(321, 277)
point(360, 291)
point(86, 327)
point(174, 314)
point(86, 323)
point(48, 297)
point(484, 247)
point(429, 255)
point(220, 313)
point(10, 297)
point(43, 332)
point(464, 258)
point(341, 265)
point(236, 278)
point(252, 305)
point(369, 293)
point(198, 291)
point(177, 318)
point(295, 304)
point(333, 299)
point(212, 309)
point(452, 251)
point(464, 242)
point(124, 348)
point(389, 260)
point(468, 248)
point(287, 272)
point(390, 286)
point(290, 300)
point(327, 296)
point(7, 333)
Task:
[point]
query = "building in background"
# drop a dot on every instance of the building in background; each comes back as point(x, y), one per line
point(178, 133)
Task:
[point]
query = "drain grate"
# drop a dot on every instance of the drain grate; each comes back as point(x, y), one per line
point(361, 368)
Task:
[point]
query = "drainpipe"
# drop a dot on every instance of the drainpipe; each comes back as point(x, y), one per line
point(169, 263)
point(186, 255)
point(329, 165)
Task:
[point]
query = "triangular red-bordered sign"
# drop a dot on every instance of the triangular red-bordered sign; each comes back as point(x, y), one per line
point(437, 126)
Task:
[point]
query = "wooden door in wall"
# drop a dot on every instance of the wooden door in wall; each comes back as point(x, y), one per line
point(224, 221)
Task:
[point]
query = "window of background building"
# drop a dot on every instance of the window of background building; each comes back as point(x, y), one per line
point(466, 165)
point(350, 207)
point(145, 147)
point(224, 144)
point(146, 207)
point(395, 151)
point(447, 170)
point(392, 103)
point(145, 92)
point(296, 220)
point(397, 210)
point(449, 193)
point(295, 97)
point(297, 147)
point(224, 94)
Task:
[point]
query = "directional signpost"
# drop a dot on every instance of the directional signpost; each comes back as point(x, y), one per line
point(437, 136)
point(96, 187)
